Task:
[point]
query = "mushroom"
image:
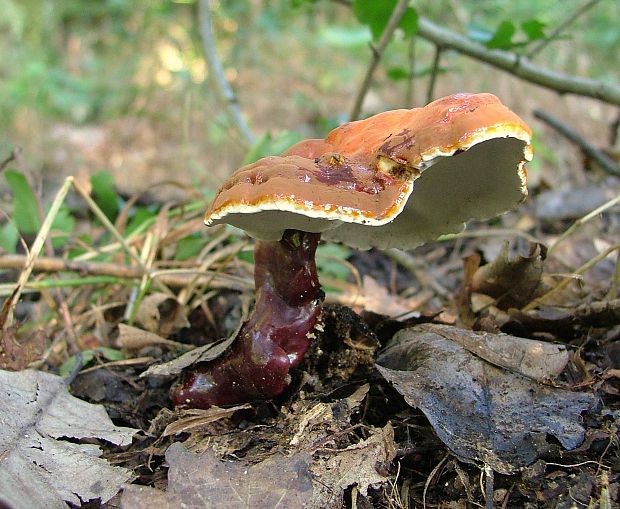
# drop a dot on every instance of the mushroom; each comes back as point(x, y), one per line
point(357, 187)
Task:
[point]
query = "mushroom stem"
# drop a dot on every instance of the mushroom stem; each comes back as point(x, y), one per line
point(274, 338)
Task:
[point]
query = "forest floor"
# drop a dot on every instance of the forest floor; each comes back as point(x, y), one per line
point(500, 388)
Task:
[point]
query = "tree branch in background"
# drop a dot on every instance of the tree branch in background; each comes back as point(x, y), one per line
point(216, 70)
point(386, 36)
point(518, 65)
point(409, 92)
point(434, 72)
point(561, 27)
point(9, 159)
point(602, 159)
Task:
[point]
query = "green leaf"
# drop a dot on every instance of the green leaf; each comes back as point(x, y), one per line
point(398, 73)
point(64, 223)
point(246, 256)
point(268, 145)
point(140, 215)
point(376, 14)
point(534, 29)
point(502, 37)
point(105, 194)
point(88, 356)
point(8, 237)
point(25, 210)
point(67, 367)
point(327, 260)
point(189, 247)
point(110, 354)
point(345, 37)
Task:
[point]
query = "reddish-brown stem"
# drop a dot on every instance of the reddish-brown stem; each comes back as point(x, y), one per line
point(275, 337)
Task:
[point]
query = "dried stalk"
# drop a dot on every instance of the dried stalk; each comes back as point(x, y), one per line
point(386, 36)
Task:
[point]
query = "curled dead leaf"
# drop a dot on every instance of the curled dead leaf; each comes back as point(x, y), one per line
point(512, 281)
point(480, 411)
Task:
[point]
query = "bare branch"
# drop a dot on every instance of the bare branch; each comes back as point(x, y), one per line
point(434, 72)
point(561, 27)
point(223, 88)
point(386, 36)
point(409, 93)
point(602, 159)
point(175, 278)
point(518, 65)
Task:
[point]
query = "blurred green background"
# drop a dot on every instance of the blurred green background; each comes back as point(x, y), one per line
point(122, 86)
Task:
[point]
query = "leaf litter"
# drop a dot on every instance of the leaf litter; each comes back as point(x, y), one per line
point(363, 435)
point(483, 413)
point(40, 464)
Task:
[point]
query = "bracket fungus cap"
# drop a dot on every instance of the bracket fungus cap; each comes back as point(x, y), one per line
point(377, 172)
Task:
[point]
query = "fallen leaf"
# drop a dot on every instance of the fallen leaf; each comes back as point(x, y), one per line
point(364, 465)
point(134, 339)
point(481, 412)
point(39, 467)
point(201, 354)
point(512, 281)
point(18, 351)
point(535, 359)
point(378, 300)
point(198, 419)
point(203, 480)
point(161, 314)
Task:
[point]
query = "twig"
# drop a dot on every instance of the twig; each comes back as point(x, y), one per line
point(493, 232)
point(175, 278)
point(52, 264)
point(429, 479)
point(602, 159)
point(223, 88)
point(614, 128)
point(6, 317)
point(488, 487)
point(561, 27)
point(410, 92)
point(565, 282)
point(9, 159)
point(583, 220)
point(434, 71)
point(386, 36)
point(518, 65)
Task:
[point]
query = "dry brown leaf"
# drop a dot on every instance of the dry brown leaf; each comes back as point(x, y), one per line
point(512, 281)
point(364, 465)
point(201, 418)
point(203, 480)
point(134, 339)
point(378, 300)
point(201, 354)
point(18, 351)
point(160, 314)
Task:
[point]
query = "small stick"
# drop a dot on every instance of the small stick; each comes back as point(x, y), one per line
point(583, 220)
point(565, 282)
point(600, 157)
point(561, 27)
point(386, 36)
point(223, 88)
point(410, 92)
point(435, 70)
point(488, 487)
point(6, 315)
point(519, 65)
